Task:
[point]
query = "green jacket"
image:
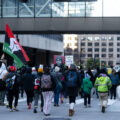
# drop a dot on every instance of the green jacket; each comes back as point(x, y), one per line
point(103, 83)
point(87, 85)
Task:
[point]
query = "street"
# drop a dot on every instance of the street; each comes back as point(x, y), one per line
point(61, 112)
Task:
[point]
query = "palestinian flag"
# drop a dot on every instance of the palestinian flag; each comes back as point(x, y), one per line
point(13, 48)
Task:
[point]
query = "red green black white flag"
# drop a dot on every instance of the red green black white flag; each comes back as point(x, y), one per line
point(13, 48)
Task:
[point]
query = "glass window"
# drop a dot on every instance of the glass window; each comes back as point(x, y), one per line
point(110, 49)
point(26, 9)
point(111, 8)
point(97, 38)
point(89, 44)
point(103, 49)
point(103, 55)
point(76, 9)
point(82, 44)
point(10, 8)
point(96, 49)
point(110, 44)
point(83, 38)
point(118, 44)
point(43, 8)
point(94, 9)
point(118, 38)
point(89, 39)
point(110, 63)
point(104, 38)
point(89, 49)
point(59, 9)
point(76, 44)
point(89, 55)
point(110, 38)
point(96, 44)
point(118, 49)
point(97, 55)
point(103, 44)
point(76, 38)
point(118, 55)
point(76, 50)
point(110, 55)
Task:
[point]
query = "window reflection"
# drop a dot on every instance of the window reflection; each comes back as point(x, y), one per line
point(10, 8)
point(49, 8)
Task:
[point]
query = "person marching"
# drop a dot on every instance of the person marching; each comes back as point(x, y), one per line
point(47, 87)
point(87, 86)
point(103, 84)
point(12, 86)
point(37, 90)
point(73, 85)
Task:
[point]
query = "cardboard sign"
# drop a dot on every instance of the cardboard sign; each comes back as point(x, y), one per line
point(59, 60)
point(69, 60)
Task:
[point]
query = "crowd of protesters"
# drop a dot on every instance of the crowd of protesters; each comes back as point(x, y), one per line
point(44, 84)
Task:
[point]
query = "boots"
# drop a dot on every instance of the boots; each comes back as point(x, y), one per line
point(71, 112)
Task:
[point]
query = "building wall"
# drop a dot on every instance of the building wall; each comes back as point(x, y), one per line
point(38, 42)
point(88, 45)
point(108, 48)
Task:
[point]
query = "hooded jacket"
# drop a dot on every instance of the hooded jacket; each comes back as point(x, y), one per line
point(87, 85)
point(103, 83)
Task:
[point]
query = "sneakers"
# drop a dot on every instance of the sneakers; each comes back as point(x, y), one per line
point(35, 111)
point(29, 107)
point(11, 110)
point(46, 114)
point(103, 109)
point(15, 109)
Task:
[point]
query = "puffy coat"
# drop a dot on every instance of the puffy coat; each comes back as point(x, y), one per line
point(103, 83)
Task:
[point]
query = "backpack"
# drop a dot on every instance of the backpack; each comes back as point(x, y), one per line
point(46, 82)
point(72, 79)
point(10, 82)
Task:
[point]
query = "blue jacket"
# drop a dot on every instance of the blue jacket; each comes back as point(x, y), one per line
point(114, 79)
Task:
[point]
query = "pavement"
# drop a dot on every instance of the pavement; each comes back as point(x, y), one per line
point(61, 112)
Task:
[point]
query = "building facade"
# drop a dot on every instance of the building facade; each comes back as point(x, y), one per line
point(106, 47)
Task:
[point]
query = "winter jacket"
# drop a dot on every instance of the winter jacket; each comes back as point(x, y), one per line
point(28, 81)
point(114, 79)
point(72, 91)
point(103, 83)
point(87, 85)
point(17, 80)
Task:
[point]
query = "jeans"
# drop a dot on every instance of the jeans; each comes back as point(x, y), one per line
point(72, 99)
point(30, 94)
point(12, 94)
point(56, 94)
point(113, 91)
point(37, 94)
point(87, 99)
